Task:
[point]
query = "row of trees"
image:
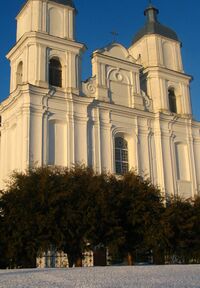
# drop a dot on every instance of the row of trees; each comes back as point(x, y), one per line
point(76, 209)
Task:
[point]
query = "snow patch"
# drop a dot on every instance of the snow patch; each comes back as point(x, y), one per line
point(172, 276)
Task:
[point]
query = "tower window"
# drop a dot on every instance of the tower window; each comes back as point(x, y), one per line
point(55, 72)
point(121, 156)
point(20, 73)
point(172, 101)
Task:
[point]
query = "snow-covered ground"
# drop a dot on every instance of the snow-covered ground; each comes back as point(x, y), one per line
point(179, 276)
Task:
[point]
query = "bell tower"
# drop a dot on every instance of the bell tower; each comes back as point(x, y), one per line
point(41, 113)
point(158, 50)
point(45, 44)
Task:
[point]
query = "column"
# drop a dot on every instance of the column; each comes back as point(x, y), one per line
point(105, 141)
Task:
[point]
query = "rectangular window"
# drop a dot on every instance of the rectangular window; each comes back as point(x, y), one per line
point(121, 156)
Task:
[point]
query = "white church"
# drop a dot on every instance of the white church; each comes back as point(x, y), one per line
point(134, 112)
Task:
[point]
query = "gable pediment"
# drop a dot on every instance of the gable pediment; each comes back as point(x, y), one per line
point(117, 51)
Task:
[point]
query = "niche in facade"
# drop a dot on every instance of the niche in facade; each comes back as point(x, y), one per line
point(119, 88)
point(55, 23)
point(57, 143)
point(182, 162)
point(168, 56)
point(20, 73)
point(12, 149)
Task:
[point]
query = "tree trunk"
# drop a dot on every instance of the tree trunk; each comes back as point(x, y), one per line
point(78, 262)
point(130, 259)
point(158, 257)
point(28, 261)
point(70, 260)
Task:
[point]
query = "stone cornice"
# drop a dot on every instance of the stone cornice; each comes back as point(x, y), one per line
point(47, 40)
point(118, 60)
point(158, 69)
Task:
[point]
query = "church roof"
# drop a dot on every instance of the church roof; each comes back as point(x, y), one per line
point(65, 2)
point(152, 26)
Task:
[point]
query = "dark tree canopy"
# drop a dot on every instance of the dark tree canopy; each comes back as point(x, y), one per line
point(77, 209)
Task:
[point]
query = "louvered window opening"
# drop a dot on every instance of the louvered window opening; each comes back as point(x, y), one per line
point(55, 73)
point(172, 101)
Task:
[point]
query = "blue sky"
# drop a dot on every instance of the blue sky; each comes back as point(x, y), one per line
point(97, 18)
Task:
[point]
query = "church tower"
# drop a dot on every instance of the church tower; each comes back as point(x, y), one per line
point(46, 43)
point(134, 112)
point(158, 50)
point(40, 115)
point(162, 78)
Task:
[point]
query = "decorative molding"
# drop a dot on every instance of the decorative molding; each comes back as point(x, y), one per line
point(147, 101)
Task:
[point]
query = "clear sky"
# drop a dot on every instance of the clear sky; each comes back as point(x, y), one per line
point(97, 18)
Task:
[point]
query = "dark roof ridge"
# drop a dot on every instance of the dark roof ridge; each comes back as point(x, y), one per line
point(153, 26)
point(65, 2)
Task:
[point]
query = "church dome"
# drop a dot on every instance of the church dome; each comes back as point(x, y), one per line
point(152, 26)
point(65, 2)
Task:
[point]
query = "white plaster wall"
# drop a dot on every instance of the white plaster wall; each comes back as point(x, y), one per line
point(57, 143)
point(197, 163)
point(105, 140)
point(36, 138)
point(156, 50)
point(116, 77)
point(182, 162)
point(12, 134)
point(55, 27)
point(149, 138)
point(38, 15)
point(119, 89)
point(80, 146)
point(24, 21)
point(143, 148)
point(62, 126)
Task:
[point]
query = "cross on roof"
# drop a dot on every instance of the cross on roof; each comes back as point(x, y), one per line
point(114, 34)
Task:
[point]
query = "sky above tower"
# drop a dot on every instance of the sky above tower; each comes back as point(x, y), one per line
point(95, 22)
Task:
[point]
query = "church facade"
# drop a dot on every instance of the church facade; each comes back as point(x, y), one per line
point(134, 111)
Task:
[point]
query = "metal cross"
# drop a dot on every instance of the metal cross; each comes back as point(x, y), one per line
point(114, 34)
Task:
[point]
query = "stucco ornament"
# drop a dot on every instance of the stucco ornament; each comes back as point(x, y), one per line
point(118, 76)
point(147, 101)
point(91, 86)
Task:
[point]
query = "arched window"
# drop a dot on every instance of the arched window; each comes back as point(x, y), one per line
point(172, 100)
point(55, 72)
point(121, 156)
point(20, 73)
